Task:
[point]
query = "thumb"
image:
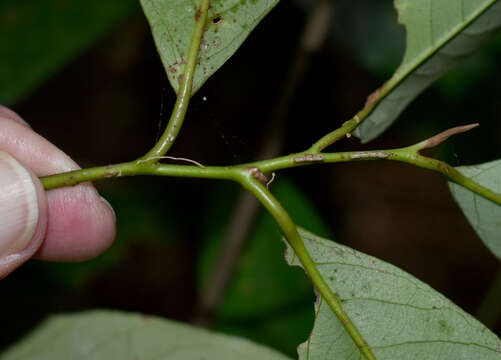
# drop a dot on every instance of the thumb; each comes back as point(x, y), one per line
point(22, 214)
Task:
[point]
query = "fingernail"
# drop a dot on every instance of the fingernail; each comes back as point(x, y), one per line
point(18, 206)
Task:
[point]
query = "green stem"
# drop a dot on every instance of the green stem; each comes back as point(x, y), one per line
point(138, 167)
point(344, 130)
point(184, 93)
point(290, 231)
point(408, 155)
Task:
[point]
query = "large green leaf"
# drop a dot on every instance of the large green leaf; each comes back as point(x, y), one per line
point(113, 335)
point(439, 34)
point(230, 22)
point(484, 215)
point(39, 37)
point(399, 316)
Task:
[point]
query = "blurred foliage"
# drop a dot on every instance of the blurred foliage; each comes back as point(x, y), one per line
point(460, 80)
point(39, 37)
point(266, 300)
point(130, 336)
point(369, 31)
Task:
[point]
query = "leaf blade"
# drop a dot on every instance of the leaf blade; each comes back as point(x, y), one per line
point(399, 316)
point(436, 41)
point(114, 335)
point(230, 22)
point(483, 215)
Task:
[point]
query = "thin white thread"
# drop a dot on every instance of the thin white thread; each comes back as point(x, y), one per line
point(171, 158)
point(271, 180)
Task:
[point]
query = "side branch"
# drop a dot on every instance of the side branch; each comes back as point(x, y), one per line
point(440, 138)
point(348, 126)
point(184, 94)
point(332, 137)
point(290, 231)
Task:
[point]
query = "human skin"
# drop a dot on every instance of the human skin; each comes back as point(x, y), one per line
point(74, 224)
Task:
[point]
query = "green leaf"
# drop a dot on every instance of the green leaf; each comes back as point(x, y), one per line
point(399, 316)
point(39, 37)
point(173, 22)
point(484, 215)
point(114, 335)
point(439, 34)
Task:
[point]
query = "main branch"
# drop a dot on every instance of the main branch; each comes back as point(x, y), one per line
point(408, 155)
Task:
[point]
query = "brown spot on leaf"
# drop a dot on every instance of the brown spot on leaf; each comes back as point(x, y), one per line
point(198, 13)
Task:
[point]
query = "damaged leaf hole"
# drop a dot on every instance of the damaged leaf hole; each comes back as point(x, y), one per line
point(218, 19)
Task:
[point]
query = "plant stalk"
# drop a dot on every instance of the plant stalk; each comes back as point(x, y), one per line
point(408, 155)
point(290, 231)
point(184, 93)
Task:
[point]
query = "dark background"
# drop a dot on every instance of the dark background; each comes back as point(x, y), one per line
point(106, 98)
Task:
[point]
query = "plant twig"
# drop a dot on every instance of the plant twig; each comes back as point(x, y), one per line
point(348, 126)
point(337, 134)
point(148, 165)
point(408, 155)
point(184, 93)
point(290, 231)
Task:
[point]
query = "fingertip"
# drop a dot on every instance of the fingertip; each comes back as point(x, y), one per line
point(81, 225)
point(103, 218)
point(12, 115)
